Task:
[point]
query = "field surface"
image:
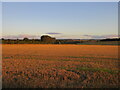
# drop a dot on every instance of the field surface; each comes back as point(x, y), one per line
point(60, 66)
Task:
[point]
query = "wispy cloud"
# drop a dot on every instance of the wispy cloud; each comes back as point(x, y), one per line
point(21, 36)
point(101, 36)
point(53, 33)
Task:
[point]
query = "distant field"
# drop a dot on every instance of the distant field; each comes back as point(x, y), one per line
point(101, 43)
point(60, 66)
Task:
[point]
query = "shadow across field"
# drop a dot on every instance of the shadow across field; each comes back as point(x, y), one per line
point(41, 57)
point(92, 57)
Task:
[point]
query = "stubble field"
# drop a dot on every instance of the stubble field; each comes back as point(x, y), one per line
point(60, 66)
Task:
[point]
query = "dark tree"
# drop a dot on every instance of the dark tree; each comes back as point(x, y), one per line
point(25, 39)
point(2, 39)
point(47, 39)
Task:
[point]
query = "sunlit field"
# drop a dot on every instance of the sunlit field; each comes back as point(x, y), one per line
point(60, 66)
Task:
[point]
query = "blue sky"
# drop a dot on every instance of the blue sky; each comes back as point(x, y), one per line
point(59, 19)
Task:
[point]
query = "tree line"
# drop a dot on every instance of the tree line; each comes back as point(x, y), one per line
point(45, 39)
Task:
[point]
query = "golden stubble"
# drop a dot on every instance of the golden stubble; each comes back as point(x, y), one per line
point(78, 66)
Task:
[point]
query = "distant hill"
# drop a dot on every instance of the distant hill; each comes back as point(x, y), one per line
point(111, 39)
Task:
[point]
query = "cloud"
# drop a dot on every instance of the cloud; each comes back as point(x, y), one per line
point(53, 33)
point(61, 36)
point(86, 36)
point(20, 36)
point(101, 36)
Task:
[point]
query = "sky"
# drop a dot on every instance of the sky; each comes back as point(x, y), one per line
point(63, 20)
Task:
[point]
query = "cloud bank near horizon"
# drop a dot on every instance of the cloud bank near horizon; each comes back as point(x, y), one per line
point(60, 36)
point(20, 36)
